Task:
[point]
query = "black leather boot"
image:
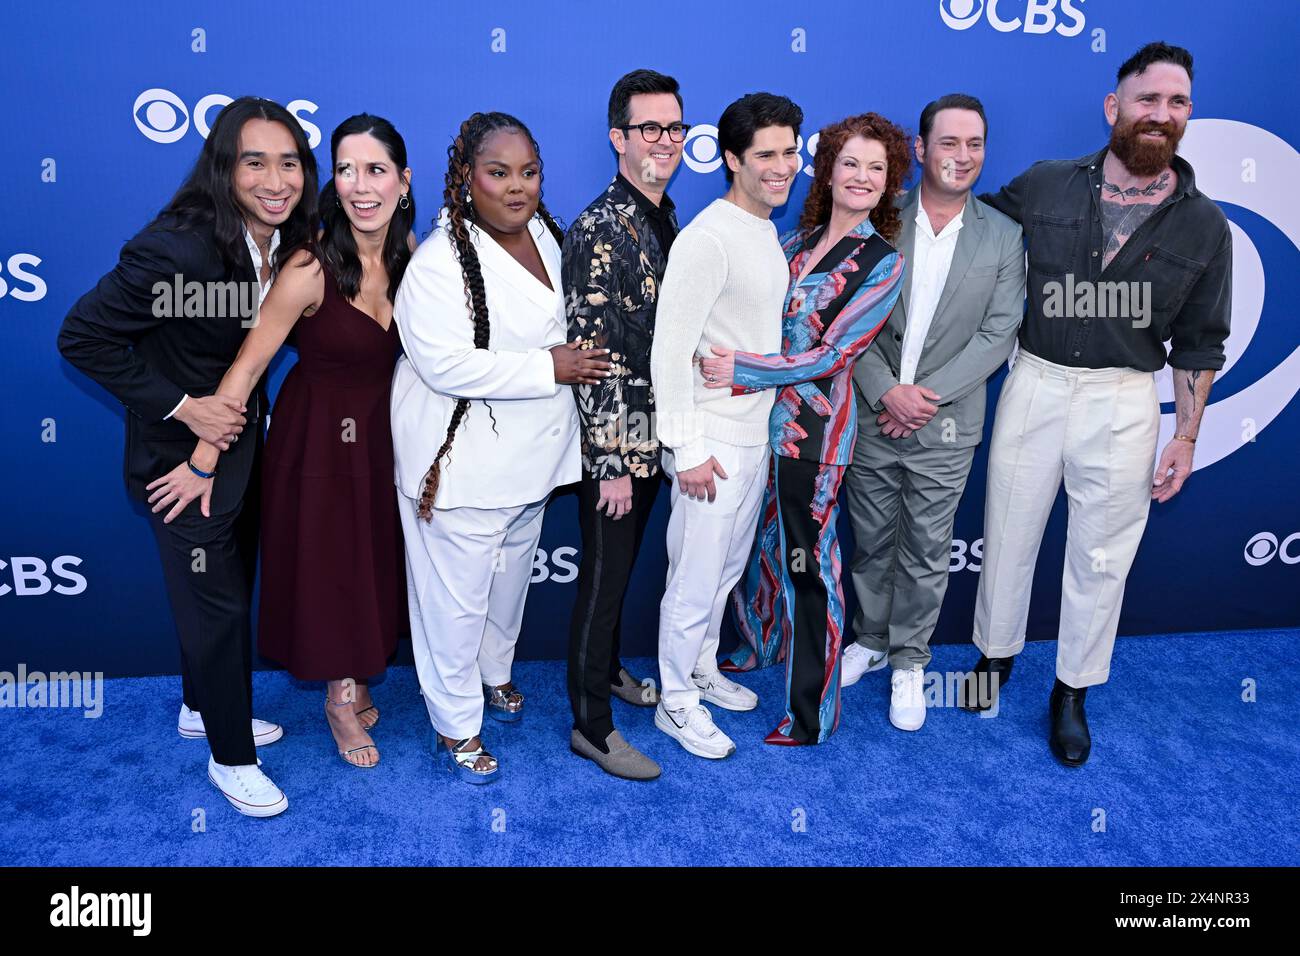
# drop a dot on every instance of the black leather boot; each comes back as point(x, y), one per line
point(983, 683)
point(1070, 739)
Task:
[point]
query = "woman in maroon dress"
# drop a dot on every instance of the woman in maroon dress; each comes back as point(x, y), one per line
point(333, 597)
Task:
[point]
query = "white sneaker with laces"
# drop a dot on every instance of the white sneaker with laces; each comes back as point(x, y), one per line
point(190, 726)
point(694, 729)
point(726, 693)
point(859, 660)
point(907, 700)
point(249, 791)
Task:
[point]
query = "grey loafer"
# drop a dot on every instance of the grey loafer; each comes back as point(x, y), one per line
point(634, 692)
point(623, 760)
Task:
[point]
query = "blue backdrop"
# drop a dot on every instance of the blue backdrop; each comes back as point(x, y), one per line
point(108, 104)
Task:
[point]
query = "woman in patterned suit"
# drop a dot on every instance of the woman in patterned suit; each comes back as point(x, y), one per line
point(844, 279)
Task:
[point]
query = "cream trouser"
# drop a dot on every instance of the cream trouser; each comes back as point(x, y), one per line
point(709, 543)
point(1097, 429)
point(467, 575)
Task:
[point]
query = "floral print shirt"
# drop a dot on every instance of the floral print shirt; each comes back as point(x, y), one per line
point(615, 255)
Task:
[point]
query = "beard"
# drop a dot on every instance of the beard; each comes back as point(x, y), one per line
point(1144, 157)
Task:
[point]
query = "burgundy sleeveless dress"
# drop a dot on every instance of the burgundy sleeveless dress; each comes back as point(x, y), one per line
point(333, 596)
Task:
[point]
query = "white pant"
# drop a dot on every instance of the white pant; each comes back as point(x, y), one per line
point(1097, 428)
point(467, 574)
point(708, 547)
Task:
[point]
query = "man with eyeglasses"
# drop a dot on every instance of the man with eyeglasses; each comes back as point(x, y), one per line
point(615, 255)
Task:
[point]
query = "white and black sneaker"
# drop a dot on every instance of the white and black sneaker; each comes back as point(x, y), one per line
point(190, 726)
point(726, 693)
point(249, 791)
point(859, 660)
point(693, 728)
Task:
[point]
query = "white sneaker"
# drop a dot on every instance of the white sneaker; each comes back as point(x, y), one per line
point(190, 725)
point(726, 693)
point(693, 728)
point(907, 702)
point(249, 791)
point(859, 660)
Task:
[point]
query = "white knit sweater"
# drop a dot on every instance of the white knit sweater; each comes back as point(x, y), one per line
point(725, 285)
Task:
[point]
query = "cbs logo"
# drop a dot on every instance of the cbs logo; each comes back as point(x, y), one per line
point(702, 155)
point(560, 558)
point(958, 559)
point(1263, 547)
point(19, 274)
point(31, 576)
point(1040, 16)
point(161, 115)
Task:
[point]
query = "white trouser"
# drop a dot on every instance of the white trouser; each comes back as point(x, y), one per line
point(1097, 428)
point(708, 547)
point(467, 574)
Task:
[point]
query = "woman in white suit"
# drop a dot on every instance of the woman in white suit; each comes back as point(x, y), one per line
point(484, 427)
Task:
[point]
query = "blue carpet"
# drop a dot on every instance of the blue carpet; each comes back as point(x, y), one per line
point(1184, 771)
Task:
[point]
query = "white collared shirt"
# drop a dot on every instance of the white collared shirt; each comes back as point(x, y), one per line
point(256, 253)
point(263, 288)
point(930, 261)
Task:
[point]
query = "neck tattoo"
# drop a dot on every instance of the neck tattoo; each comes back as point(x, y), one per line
point(1153, 188)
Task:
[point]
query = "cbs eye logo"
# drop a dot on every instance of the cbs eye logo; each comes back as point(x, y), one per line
point(700, 150)
point(1264, 547)
point(161, 115)
point(960, 14)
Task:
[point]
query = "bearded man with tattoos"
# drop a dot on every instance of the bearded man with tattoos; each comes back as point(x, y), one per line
point(1125, 227)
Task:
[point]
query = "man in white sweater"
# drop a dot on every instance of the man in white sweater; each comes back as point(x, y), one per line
point(725, 286)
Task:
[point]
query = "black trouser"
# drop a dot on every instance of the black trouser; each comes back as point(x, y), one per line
point(609, 549)
point(209, 565)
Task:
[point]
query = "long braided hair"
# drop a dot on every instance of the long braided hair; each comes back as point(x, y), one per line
point(461, 215)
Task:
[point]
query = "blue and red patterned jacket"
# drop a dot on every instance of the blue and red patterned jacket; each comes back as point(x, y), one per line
point(830, 319)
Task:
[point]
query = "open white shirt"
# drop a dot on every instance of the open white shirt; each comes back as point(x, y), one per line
point(930, 262)
point(262, 287)
point(256, 253)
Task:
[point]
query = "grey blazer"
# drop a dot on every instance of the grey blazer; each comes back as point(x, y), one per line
point(973, 329)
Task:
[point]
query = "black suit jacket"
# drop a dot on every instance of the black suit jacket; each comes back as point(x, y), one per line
point(148, 362)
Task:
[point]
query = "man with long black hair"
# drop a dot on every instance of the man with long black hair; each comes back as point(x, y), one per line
point(158, 332)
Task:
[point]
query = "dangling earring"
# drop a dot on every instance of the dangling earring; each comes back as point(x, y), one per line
point(404, 202)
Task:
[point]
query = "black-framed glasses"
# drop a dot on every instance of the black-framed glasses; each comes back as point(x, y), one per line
point(653, 132)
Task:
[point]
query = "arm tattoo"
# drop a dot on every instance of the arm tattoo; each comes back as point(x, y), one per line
point(1191, 391)
point(1192, 376)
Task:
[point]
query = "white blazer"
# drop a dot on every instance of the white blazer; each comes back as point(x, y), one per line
point(535, 445)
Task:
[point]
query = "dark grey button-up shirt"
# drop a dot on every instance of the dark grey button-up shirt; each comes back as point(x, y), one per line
point(1171, 281)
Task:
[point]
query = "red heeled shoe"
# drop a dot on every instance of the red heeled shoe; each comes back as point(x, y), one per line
point(777, 738)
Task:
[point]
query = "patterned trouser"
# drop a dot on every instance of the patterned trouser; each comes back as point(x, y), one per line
point(790, 606)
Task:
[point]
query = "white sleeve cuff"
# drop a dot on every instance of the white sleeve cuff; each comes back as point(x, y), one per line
point(176, 409)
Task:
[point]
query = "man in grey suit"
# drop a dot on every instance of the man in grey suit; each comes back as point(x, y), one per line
point(921, 400)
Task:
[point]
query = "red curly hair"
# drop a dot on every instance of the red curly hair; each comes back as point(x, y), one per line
point(831, 139)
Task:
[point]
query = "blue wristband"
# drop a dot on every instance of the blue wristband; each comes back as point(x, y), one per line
point(201, 474)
